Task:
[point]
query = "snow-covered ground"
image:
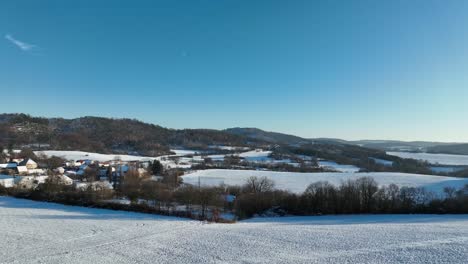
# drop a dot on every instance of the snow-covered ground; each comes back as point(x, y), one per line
point(183, 161)
point(298, 182)
point(387, 163)
point(445, 169)
point(444, 159)
point(183, 152)
point(36, 232)
point(337, 167)
point(82, 155)
point(256, 156)
point(236, 148)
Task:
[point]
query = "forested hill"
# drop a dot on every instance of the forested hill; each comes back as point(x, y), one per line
point(107, 135)
point(272, 137)
point(458, 149)
point(130, 136)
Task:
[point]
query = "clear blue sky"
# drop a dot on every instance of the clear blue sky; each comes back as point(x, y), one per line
point(347, 69)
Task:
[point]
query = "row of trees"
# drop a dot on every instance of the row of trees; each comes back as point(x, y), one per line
point(361, 196)
point(256, 197)
point(360, 157)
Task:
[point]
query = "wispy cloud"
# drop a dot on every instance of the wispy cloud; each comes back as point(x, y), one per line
point(20, 44)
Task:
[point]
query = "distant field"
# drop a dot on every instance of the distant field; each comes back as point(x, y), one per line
point(443, 159)
point(298, 182)
point(82, 155)
point(37, 232)
point(338, 167)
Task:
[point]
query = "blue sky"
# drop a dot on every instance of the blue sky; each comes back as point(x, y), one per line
point(346, 69)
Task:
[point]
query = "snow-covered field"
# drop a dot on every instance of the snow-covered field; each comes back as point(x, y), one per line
point(298, 182)
point(36, 232)
point(445, 169)
point(444, 159)
point(387, 163)
point(81, 155)
point(337, 167)
point(256, 156)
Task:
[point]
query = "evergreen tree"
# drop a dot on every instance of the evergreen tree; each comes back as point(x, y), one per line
point(156, 168)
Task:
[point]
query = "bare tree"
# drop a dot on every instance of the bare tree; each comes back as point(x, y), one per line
point(131, 186)
point(259, 185)
point(90, 174)
point(367, 187)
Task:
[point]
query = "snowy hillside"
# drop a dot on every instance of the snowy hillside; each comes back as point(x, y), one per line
point(298, 182)
point(81, 155)
point(337, 167)
point(445, 159)
point(36, 232)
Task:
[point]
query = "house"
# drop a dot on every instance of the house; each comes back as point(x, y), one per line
point(65, 179)
point(29, 182)
point(100, 185)
point(19, 169)
point(118, 173)
point(60, 170)
point(36, 171)
point(81, 170)
point(105, 173)
point(7, 181)
point(29, 163)
point(10, 165)
point(142, 171)
point(22, 170)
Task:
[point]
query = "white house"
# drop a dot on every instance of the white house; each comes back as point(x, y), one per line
point(7, 181)
point(36, 171)
point(65, 179)
point(60, 170)
point(29, 163)
point(28, 182)
point(22, 169)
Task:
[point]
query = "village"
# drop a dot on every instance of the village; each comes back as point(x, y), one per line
point(27, 173)
point(23, 172)
point(122, 180)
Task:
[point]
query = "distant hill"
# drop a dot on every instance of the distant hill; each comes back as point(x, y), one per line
point(130, 136)
point(458, 149)
point(107, 135)
point(271, 137)
point(395, 145)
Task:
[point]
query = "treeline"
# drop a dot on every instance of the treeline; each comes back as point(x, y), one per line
point(361, 196)
point(136, 195)
point(362, 158)
point(257, 197)
point(235, 162)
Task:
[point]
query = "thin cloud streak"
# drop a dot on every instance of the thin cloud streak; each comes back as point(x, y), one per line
point(20, 44)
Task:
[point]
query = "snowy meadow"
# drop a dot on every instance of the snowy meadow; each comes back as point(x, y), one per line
point(443, 159)
point(298, 182)
point(38, 232)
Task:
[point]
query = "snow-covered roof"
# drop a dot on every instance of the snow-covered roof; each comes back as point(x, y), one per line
point(10, 165)
point(26, 162)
